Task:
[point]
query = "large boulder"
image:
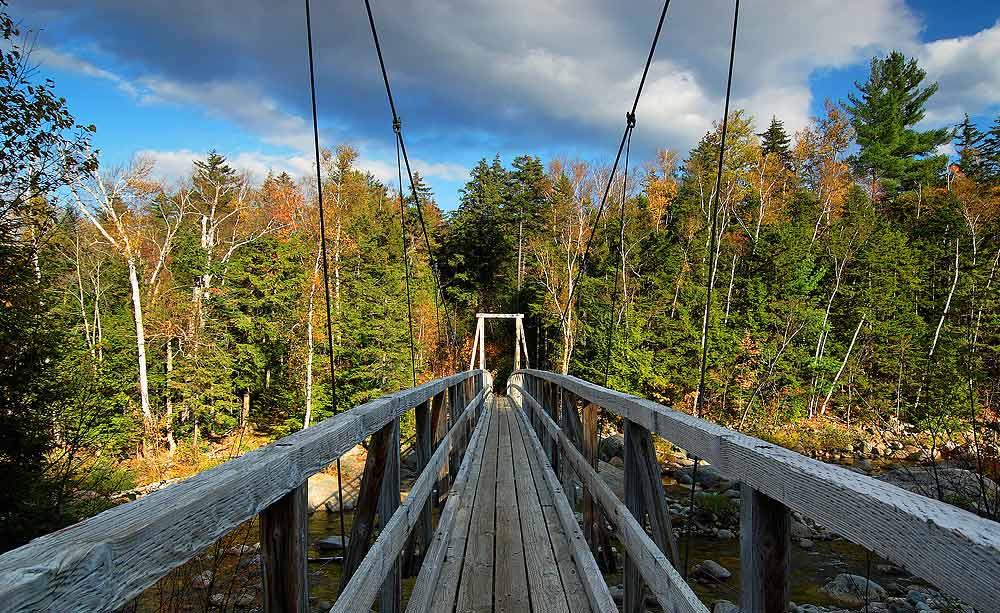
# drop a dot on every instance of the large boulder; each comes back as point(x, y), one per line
point(852, 590)
point(612, 446)
point(958, 486)
point(711, 571)
point(322, 487)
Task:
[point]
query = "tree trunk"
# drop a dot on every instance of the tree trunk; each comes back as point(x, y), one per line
point(843, 365)
point(169, 408)
point(140, 343)
point(245, 413)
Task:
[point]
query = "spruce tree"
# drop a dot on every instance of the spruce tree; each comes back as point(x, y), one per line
point(775, 140)
point(969, 140)
point(894, 156)
point(991, 152)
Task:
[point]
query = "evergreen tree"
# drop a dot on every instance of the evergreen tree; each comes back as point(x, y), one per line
point(894, 156)
point(991, 151)
point(776, 141)
point(969, 141)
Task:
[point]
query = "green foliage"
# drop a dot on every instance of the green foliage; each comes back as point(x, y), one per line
point(893, 155)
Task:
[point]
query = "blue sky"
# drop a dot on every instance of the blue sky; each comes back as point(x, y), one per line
point(474, 78)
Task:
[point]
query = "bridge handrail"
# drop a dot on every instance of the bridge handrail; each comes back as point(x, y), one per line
point(104, 561)
point(665, 583)
point(954, 549)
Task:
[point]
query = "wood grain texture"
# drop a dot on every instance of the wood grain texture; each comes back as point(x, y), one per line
point(563, 590)
point(947, 546)
point(510, 592)
point(380, 560)
point(635, 502)
point(765, 552)
point(103, 562)
point(363, 525)
point(663, 581)
point(475, 591)
point(453, 523)
point(588, 572)
point(283, 552)
point(388, 502)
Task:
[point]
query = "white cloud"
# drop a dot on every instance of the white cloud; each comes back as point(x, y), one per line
point(58, 60)
point(176, 166)
point(968, 71)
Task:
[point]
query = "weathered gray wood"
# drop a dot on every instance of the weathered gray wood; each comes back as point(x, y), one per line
point(545, 584)
point(765, 552)
point(365, 510)
point(283, 552)
point(650, 484)
point(666, 585)
point(590, 575)
point(951, 548)
point(455, 512)
point(475, 591)
point(635, 502)
point(388, 502)
point(106, 560)
point(511, 584)
point(440, 424)
point(380, 562)
point(575, 592)
point(422, 414)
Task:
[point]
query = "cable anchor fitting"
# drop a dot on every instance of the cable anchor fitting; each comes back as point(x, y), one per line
point(630, 119)
point(397, 125)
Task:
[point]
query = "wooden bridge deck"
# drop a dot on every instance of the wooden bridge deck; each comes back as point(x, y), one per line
point(507, 550)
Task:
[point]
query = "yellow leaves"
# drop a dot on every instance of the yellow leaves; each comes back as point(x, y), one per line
point(661, 186)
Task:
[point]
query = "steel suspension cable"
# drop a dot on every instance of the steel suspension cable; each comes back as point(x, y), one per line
point(714, 211)
point(406, 261)
point(326, 265)
point(629, 123)
point(621, 253)
point(397, 126)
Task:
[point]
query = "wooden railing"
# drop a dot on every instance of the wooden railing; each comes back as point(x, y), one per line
point(953, 549)
point(107, 560)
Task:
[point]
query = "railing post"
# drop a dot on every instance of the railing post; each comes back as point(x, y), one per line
point(389, 596)
point(634, 602)
point(765, 548)
point(283, 552)
point(453, 411)
point(439, 422)
point(422, 415)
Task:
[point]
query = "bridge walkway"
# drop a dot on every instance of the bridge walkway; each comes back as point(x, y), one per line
point(507, 550)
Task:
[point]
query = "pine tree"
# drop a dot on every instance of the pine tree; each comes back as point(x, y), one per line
point(893, 156)
point(991, 152)
point(969, 140)
point(776, 141)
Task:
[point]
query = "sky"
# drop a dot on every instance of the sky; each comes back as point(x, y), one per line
point(477, 78)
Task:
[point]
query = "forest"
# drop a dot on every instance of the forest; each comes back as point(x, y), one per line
point(147, 326)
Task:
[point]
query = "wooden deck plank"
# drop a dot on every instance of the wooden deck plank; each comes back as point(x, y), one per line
point(451, 570)
point(576, 595)
point(475, 590)
point(510, 591)
point(544, 580)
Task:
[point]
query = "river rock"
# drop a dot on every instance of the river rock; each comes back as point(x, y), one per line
point(959, 486)
point(800, 531)
point(711, 571)
point(724, 606)
point(806, 544)
point(612, 446)
point(330, 543)
point(202, 580)
point(850, 590)
point(322, 487)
